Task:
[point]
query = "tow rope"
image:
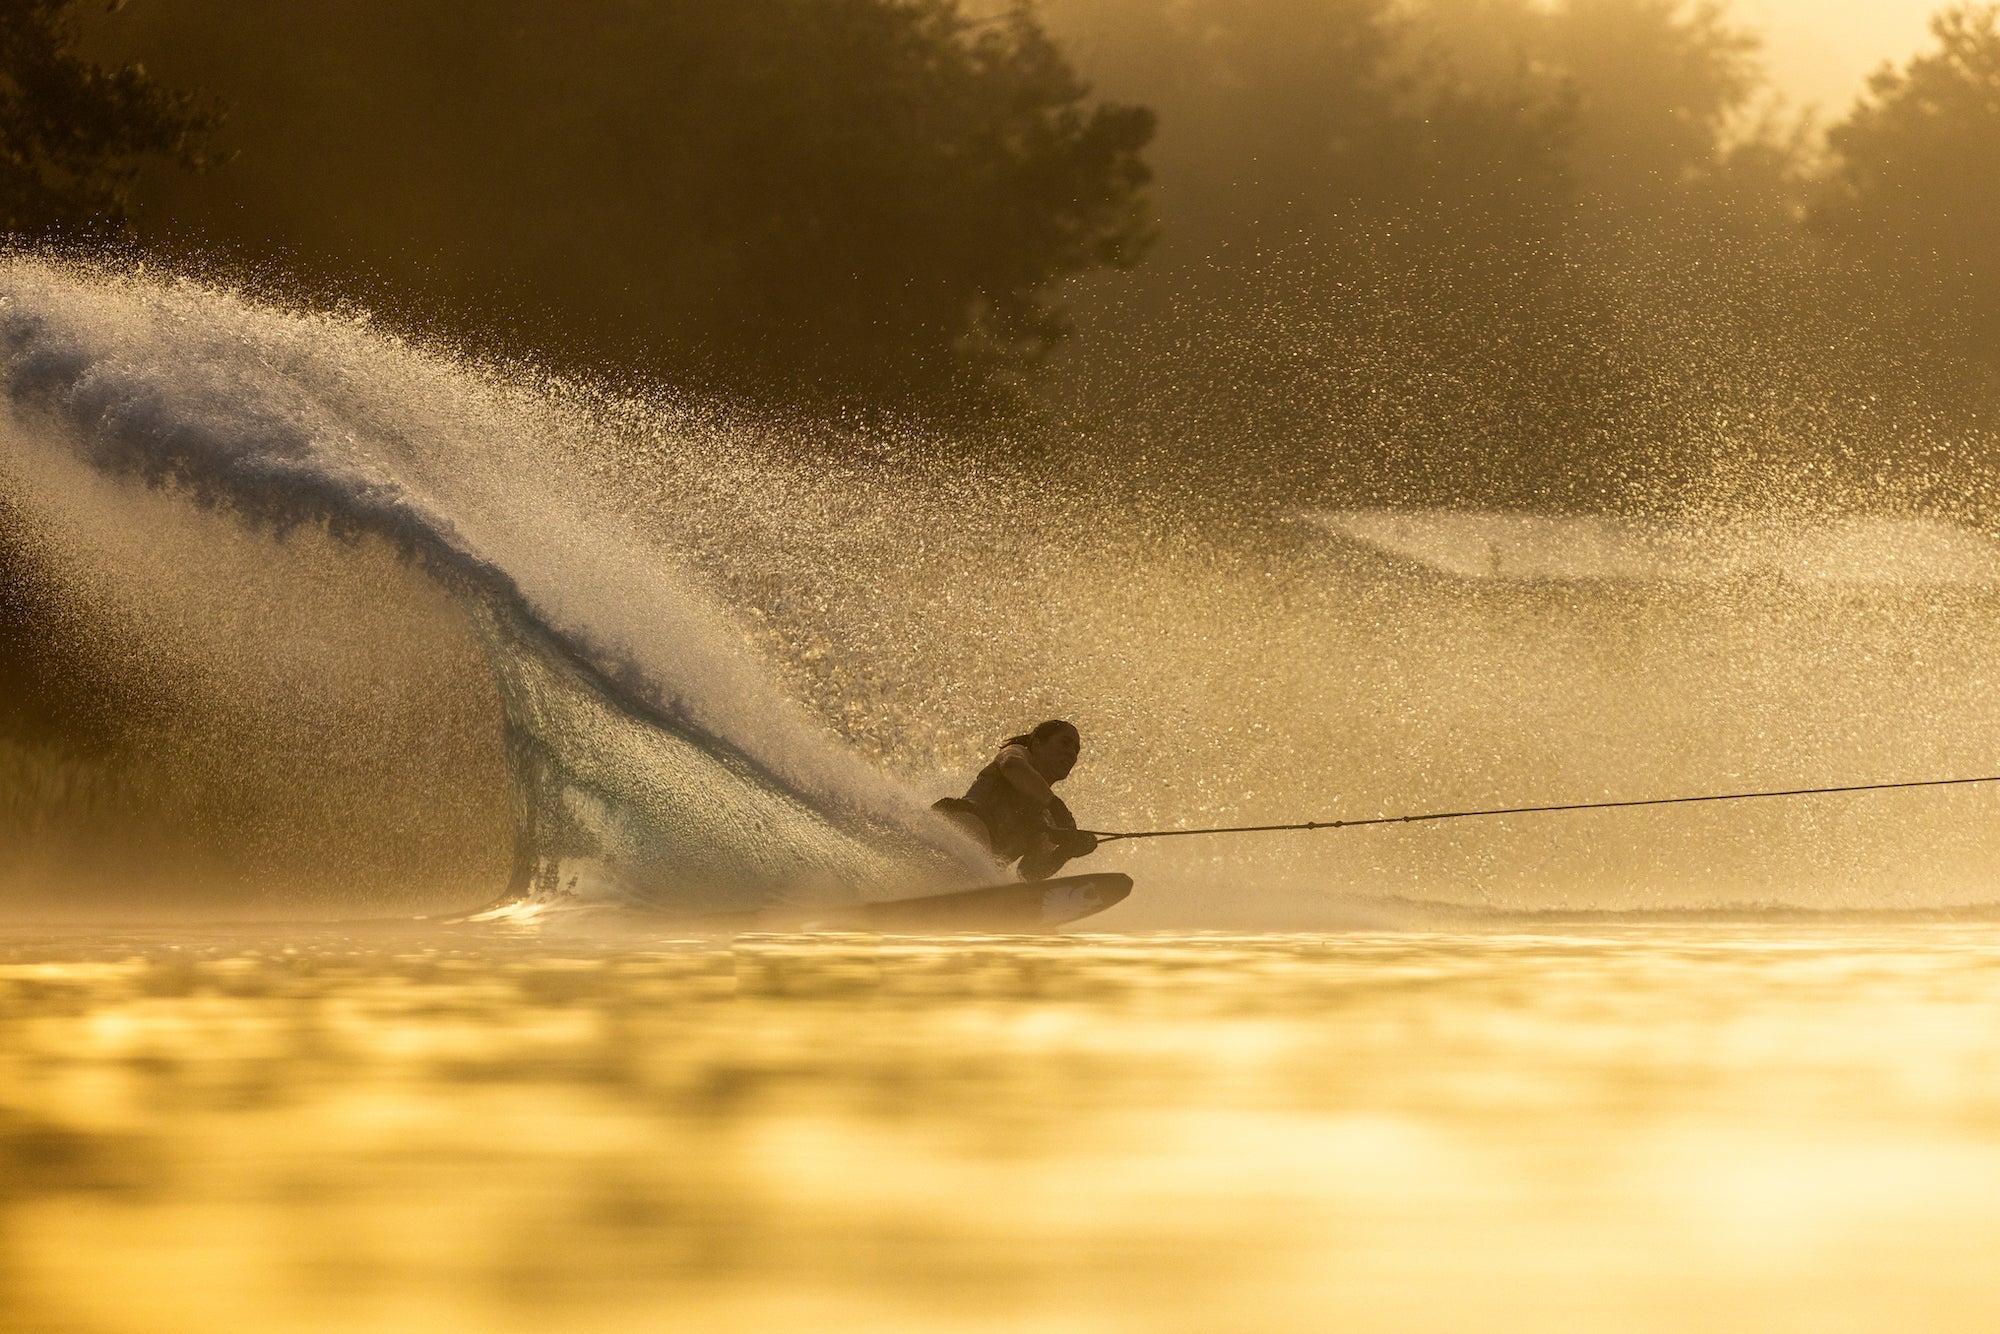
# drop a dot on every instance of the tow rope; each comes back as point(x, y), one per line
point(1115, 836)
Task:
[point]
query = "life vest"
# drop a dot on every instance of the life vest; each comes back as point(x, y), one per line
point(1013, 819)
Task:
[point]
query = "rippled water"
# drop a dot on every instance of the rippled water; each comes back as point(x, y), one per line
point(1722, 1126)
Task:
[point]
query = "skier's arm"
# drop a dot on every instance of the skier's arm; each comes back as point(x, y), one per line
point(1017, 769)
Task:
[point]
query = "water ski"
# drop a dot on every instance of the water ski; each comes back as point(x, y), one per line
point(1024, 906)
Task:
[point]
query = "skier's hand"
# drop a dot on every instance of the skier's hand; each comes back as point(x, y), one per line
point(1076, 843)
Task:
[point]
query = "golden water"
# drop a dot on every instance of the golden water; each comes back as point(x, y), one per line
point(1657, 1127)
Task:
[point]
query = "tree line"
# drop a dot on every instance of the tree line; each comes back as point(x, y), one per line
point(1485, 248)
point(1501, 252)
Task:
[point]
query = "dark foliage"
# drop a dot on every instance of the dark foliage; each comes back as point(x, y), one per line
point(834, 200)
point(1916, 192)
point(73, 133)
point(890, 187)
point(1283, 120)
point(1442, 250)
point(1495, 252)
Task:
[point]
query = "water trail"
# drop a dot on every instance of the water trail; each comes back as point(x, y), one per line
point(650, 757)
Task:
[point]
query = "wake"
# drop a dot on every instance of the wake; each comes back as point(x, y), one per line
point(652, 761)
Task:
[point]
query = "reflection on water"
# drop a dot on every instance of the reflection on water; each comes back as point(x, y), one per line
point(1660, 1127)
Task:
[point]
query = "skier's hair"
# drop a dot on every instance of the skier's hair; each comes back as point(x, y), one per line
point(1041, 732)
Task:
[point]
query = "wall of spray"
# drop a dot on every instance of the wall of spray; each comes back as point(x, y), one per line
point(858, 619)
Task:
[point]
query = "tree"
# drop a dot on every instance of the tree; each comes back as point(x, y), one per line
point(1314, 121)
point(1916, 186)
point(1549, 261)
point(74, 133)
point(1658, 84)
point(822, 199)
point(1659, 89)
point(898, 188)
point(1351, 228)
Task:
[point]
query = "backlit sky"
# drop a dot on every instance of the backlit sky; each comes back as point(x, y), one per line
point(1822, 50)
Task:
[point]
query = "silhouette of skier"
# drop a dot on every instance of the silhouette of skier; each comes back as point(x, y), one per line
point(1012, 807)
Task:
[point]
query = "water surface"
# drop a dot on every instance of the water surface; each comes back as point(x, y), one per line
point(1734, 1126)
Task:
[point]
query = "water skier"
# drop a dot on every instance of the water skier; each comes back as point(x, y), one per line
point(1012, 807)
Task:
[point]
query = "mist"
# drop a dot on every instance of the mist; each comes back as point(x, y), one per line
point(1021, 381)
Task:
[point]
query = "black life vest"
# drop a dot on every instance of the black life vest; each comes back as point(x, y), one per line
point(1013, 819)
